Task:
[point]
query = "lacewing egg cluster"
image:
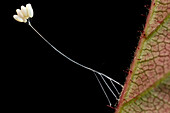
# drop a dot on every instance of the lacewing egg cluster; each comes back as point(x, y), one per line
point(24, 13)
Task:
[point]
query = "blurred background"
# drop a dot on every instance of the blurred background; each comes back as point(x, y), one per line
point(99, 34)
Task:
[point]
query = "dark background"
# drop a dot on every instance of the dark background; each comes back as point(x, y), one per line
point(101, 35)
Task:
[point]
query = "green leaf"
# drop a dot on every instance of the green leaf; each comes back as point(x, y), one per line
point(147, 87)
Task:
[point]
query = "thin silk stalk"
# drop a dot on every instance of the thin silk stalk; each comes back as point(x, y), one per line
point(72, 59)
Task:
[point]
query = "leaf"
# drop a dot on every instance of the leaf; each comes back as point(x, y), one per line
point(147, 86)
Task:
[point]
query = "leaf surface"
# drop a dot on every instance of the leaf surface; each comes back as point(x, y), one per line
point(147, 86)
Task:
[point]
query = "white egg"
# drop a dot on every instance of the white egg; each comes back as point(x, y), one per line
point(29, 10)
point(24, 11)
point(20, 14)
point(19, 19)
